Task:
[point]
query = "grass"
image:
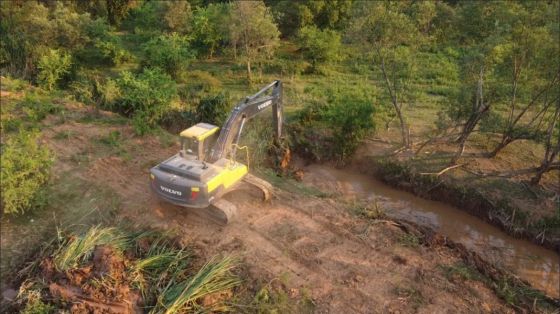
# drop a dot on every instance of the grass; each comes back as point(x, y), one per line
point(411, 294)
point(214, 277)
point(368, 210)
point(113, 139)
point(72, 202)
point(460, 271)
point(113, 119)
point(289, 184)
point(518, 294)
point(80, 248)
point(409, 240)
point(64, 135)
point(116, 144)
point(162, 271)
point(273, 297)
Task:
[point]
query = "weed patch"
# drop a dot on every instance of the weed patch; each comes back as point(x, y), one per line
point(117, 270)
point(368, 211)
point(411, 294)
point(409, 240)
point(461, 271)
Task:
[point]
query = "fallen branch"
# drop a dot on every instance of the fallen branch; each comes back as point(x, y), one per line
point(442, 171)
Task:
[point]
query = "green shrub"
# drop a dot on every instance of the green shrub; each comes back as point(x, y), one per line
point(286, 67)
point(169, 52)
point(25, 171)
point(213, 109)
point(204, 81)
point(53, 65)
point(112, 51)
point(92, 89)
point(332, 129)
point(145, 97)
point(37, 106)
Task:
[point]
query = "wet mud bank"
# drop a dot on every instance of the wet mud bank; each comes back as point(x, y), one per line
point(500, 214)
point(503, 282)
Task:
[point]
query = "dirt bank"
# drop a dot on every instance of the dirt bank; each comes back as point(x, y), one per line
point(315, 246)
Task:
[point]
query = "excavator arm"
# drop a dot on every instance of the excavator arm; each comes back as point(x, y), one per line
point(269, 96)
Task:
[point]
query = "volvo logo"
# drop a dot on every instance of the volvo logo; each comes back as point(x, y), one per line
point(170, 191)
point(264, 104)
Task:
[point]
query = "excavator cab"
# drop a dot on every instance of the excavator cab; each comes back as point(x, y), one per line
point(198, 140)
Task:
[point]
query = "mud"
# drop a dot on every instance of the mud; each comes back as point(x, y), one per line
point(100, 286)
point(537, 265)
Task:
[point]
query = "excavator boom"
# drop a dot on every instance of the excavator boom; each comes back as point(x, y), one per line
point(270, 95)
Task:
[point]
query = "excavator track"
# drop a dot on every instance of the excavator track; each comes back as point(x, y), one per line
point(263, 185)
point(223, 212)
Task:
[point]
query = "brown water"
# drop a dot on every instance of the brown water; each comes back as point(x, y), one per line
point(537, 265)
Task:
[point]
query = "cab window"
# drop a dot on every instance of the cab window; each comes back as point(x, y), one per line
point(190, 146)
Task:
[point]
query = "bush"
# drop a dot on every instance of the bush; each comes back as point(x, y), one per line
point(25, 171)
point(199, 84)
point(145, 97)
point(204, 81)
point(287, 67)
point(36, 106)
point(52, 67)
point(93, 90)
point(112, 51)
point(319, 46)
point(169, 52)
point(333, 129)
point(213, 109)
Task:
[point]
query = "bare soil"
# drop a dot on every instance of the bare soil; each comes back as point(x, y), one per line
point(345, 264)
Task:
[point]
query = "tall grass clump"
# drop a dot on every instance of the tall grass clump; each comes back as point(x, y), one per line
point(79, 249)
point(214, 277)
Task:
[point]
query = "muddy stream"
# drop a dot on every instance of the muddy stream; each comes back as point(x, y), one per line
point(535, 264)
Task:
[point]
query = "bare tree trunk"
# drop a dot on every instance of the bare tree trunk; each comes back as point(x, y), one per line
point(249, 76)
point(506, 140)
point(467, 130)
point(508, 136)
point(396, 105)
point(551, 151)
point(479, 108)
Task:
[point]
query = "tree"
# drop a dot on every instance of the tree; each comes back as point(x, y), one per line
point(178, 16)
point(531, 79)
point(323, 14)
point(383, 28)
point(552, 144)
point(25, 170)
point(117, 10)
point(319, 46)
point(480, 32)
point(169, 52)
point(209, 29)
point(253, 31)
point(30, 29)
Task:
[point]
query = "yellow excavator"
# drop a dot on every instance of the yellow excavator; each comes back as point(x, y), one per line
point(206, 168)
